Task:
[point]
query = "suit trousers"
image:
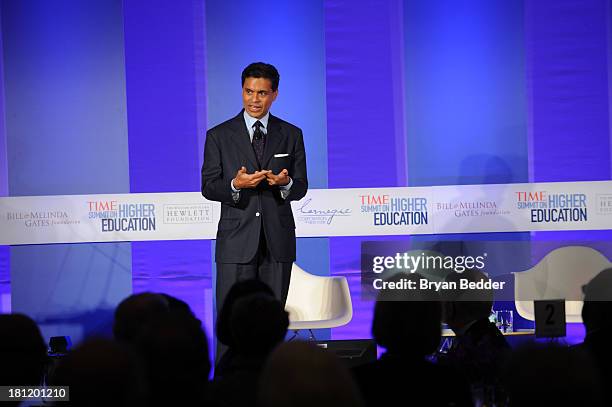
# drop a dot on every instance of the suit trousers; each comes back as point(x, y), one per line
point(263, 267)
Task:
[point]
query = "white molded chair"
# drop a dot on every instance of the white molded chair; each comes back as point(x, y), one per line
point(316, 302)
point(560, 274)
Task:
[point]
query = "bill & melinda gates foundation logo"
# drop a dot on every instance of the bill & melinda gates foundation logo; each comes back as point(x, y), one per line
point(550, 208)
point(389, 210)
point(463, 209)
point(36, 219)
point(123, 217)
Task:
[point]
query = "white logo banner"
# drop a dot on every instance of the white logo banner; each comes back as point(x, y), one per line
point(323, 212)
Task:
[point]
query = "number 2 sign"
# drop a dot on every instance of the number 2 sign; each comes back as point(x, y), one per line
point(549, 318)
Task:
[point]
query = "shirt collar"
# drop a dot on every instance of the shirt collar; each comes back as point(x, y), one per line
point(250, 121)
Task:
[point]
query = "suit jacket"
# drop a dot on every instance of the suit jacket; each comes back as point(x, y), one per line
point(228, 147)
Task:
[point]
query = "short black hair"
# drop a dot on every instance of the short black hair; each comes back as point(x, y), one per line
point(262, 70)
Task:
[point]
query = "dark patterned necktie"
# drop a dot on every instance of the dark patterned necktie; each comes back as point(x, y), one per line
point(259, 141)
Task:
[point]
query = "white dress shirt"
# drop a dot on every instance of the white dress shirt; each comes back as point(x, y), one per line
point(250, 125)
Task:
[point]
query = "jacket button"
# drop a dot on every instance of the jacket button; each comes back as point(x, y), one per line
point(257, 214)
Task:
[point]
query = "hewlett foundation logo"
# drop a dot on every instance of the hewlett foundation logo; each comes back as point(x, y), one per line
point(604, 204)
point(188, 213)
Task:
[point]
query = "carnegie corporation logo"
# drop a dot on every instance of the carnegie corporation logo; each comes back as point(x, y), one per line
point(34, 219)
point(188, 213)
point(471, 208)
point(604, 204)
point(548, 208)
point(391, 210)
point(123, 217)
point(308, 214)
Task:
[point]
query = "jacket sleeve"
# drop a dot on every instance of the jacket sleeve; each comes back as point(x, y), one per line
point(298, 172)
point(215, 184)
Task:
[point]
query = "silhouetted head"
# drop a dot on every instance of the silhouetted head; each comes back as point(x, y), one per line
point(462, 306)
point(23, 353)
point(258, 323)
point(300, 374)
point(174, 349)
point(407, 321)
point(100, 372)
point(552, 376)
point(597, 308)
point(176, 305)
point(238, 290)
point(135, 312)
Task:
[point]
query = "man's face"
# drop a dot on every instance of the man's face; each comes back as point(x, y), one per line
point(257, 96)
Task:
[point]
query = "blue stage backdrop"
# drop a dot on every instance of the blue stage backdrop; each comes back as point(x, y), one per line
point(568, 66)
point(66, 132)
point(166, 92)
point(460, 117)
point(5, 274)
point(116, 96)
point(366, 143)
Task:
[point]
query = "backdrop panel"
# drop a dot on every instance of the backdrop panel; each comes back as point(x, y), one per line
point(465, 92)
point(366, 143)
point(568, 65)
point(66, 134)
point(5, 274)
point(567, 53)
point(165, 90)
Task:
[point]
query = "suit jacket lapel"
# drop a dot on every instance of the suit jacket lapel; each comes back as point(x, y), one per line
point(242, 139)
point(273, 138)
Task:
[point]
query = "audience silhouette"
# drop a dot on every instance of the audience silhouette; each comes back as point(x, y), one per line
point(258, 324)
point(550, 375)
point(299, 374)
point(160, 355)
point(100, 372)
point(479, 349)
point(135, 313)
point(225, 343)
point(171, 343)
point(23, 354)
point(597, 318)
point(174, 349)
point(407, 323)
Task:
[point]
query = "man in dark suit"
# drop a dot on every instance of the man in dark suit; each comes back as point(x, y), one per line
point(255, 165)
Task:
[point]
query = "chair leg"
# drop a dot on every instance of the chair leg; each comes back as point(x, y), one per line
point(295, 334)
point(311, 335)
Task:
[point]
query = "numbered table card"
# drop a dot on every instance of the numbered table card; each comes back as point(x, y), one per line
point(549, 318)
